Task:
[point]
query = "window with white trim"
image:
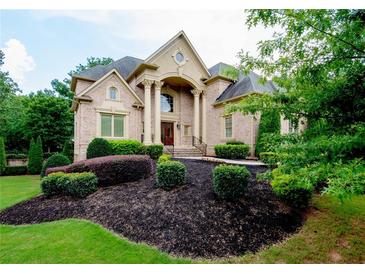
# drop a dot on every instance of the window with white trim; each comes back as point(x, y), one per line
point(228, 126)
point(112, 125)
point(113, 93)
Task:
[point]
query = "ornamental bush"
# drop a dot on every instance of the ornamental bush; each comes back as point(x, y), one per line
point(98, 147)
point(55, 160)
point(230, 182)
point(35, 157)
point(234, 142)
point(239, 151)
point(68, 150)
point(126, 147)
point(164, 158)
point(154, 151)
point(73, 184)
point(112, 170)
point(2, 156)
point(170, 174)
point(15, 170)
point(292, 189)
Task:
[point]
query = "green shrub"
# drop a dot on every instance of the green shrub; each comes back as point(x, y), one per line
point(54, 184)
point(264, 176)
point(2, 156)
point(234, 142)
point(231, 151)
point(155, 151)
point(292, 189)
point(68, 150)
point(35, 157)
point(126, 147)
point(82, 184)
point(55, 160)
point(73, 184)
point(170, 174)
point(230, 182)
point(269, 123)
point(269, 158)
point(15, 170)
point(14, 156)
point(98, 147)
point(164, 158)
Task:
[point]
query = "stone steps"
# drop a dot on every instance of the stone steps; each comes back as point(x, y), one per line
point(184, 152)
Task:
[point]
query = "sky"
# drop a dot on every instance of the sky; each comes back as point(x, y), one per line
point(41, 45)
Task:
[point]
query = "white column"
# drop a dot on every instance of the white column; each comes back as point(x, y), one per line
point(158, 85)
point(196, 94)
point(147, 111)
point(204, 116)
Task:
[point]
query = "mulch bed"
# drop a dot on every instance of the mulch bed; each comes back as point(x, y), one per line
point(188, 221)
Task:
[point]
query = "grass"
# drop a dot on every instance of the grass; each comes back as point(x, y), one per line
point(333, 233)
point(14, 189)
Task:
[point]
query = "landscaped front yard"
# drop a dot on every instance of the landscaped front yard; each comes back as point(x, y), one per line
point(332, 233)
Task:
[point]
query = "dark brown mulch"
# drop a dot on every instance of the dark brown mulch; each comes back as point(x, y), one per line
point(188, 221)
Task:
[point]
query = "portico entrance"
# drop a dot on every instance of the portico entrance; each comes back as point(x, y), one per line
point(167, 133)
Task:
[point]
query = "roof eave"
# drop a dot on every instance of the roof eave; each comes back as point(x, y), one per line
point(74, 80)
point(140, 68)
point(218, 77)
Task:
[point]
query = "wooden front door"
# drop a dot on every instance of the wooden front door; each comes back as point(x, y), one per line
point(167, 133)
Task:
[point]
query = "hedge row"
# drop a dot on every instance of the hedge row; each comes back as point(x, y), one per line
point(100, 147)
point(73, 184)
point(15, 170)
point(231, 151)
point(111, 169)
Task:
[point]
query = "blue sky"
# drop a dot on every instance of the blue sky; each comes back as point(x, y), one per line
point(43, 45)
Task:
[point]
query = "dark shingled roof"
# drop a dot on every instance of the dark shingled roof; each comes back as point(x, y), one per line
point(218, 69)
point(246, 84)
point(124, 66)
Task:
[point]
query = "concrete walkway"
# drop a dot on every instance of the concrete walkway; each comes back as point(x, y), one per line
point(226, 161)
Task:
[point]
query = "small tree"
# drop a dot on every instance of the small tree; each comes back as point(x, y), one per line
point(2, 156)
point(35, 157)
point(68, 150)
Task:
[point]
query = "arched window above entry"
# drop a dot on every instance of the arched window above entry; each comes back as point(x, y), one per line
point(113, 93)
point(167, 103)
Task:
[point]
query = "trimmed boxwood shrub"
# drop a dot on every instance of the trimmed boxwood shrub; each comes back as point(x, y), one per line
point(155, 151)
point(73, 184)
point(291, 190)
point(2, 156)
point(164, 158)
point(35, 157)
point(112, 170)
point(13, 156)
point(126, 147)
point(98, 147)
point(15, 170)
point(238, 151)
point(234, 142)
point(55, 160)
point(230, 182)
point(170, 174)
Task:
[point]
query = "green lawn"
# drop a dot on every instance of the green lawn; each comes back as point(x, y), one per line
point(332, 233)
point(14, 189)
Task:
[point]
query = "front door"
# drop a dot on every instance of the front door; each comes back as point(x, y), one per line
point(167, 133)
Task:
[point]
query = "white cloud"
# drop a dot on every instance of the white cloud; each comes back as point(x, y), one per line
point(17, 61)
point(218, 35)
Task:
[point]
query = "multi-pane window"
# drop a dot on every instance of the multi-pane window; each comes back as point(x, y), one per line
point(228, 126)
point(167, 103)
point(113, 93)
point(112, 125)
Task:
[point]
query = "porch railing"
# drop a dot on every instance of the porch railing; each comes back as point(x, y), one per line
point(199, 144)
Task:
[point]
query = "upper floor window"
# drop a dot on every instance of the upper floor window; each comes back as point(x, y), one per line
point(228, 126)
point(167, 103)
point(113, 93)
